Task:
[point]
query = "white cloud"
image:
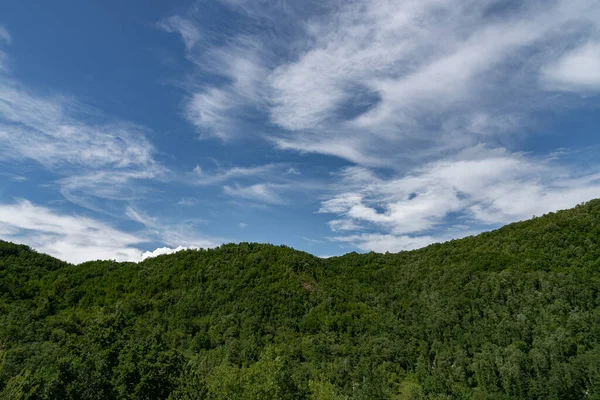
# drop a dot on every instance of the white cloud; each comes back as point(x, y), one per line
point(182, 233)
point(42, 129)
point(4, 35)
point(426, 64)
point(243, 225)
point(349, 148)
point(263, 183)
point(107, 185)
point(577, 70)
point(3, 66)
point(389, 82)
point(72, 238)
point(140, 217)
point(78, 239)
point(202, 177)
point(98, 158)
point(185, 28)
point(187, 201)
point(494, 188)
point(211, 112)
point(165, 250)
point(260, 192)
point(311, 240)
point(382, 243)
point(338, 225)
point(101, 161)
point(219, 110)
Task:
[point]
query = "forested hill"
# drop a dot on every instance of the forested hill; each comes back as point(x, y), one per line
point(510, 314)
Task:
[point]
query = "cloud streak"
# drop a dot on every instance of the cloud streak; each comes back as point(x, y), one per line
point(367, 80)
point(185, 28)
point(426, 100)
point(180, 234)
point(578, 70)
point(98, 160)
point(72, 238)
point(43, 129)
point(4, 35)
point(423, 103)
point(260, 192)
point(202, 177)
point(483, 192)
point(95, 156)
point(267, 183)
point(77, 239)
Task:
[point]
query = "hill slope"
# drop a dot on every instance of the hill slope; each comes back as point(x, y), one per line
point(513, 313)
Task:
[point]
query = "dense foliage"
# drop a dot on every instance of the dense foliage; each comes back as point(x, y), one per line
point(513, 313)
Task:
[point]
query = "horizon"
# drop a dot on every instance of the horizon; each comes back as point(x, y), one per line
point(169, 251)
point(133, 130)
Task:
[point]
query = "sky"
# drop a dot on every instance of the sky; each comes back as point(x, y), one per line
point(135, 128)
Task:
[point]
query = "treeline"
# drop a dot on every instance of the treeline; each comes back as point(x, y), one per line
point(509, 314)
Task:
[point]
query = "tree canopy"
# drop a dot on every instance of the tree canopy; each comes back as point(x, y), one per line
point(508, 314)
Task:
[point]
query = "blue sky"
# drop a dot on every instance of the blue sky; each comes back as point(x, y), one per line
point(130, 129)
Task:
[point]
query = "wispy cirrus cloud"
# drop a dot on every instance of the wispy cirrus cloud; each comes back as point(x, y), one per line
point(382, 243)
point(428, 101)
point(68, 237)
point(483, 191)
point(4, 35)
point(577, 71)
point(120, 186)
point(259, 192)
point(368, 80)
point(218, 110)
point(187, 202)
point(178, 234)
point(220, 175)
point(97, 160)
point(5, 38)
point(48, 130)
point(273, 183)
point(225, 110)
point(97, 157)
point(77, 238)
point(184, 27)
point(426, 71)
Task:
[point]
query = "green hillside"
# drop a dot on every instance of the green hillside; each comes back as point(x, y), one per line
point(509, 314)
